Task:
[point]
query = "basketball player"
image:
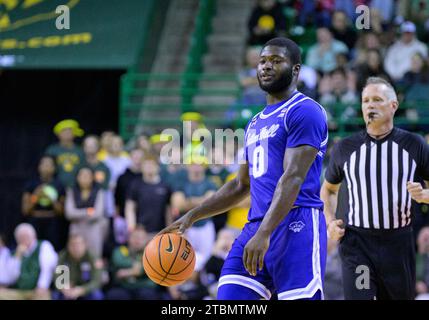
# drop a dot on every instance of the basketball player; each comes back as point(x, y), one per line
point(282, 249)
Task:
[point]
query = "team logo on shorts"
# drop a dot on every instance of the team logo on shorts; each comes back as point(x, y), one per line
point(296, 226)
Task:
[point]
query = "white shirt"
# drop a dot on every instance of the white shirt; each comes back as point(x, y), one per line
point(10, 267)
point(399, 56)
point(48, 260)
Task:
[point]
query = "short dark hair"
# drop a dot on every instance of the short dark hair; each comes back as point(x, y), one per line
point(293, 50)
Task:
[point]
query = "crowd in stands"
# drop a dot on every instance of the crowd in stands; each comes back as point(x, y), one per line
point(94, 203)
point(340, 52)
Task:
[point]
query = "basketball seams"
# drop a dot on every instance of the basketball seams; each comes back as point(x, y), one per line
point(159, 254)
point(159, 274)
point(189, 263)
point(160, 279)
point(174, 260)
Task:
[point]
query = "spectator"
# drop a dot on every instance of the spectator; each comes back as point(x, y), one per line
point(193, 121)
point(143, 143)
point(158, 141)
point(376, 22)
point(386, 9)
point(217, 171)
point(337, 91)
point(68, 156)
point(43, 204)
point(367, 41)
point(84, 272)
point(91, 147)
point(148, 199)
point(211, 273)
point(399, 55)
point(117, 162)
point(307, 81)
point(341, 29)
point(322, 56)
point(85, 210)
point(349, 7)
point(371, 67)
point(202, 234)
point(266, 21)
point(172, 171)
point(315, 12)
point(129, 279)
point(416, 85)
point(9, 265)
point(37, 261)
point(105, 142)
point(133, 172)
point(419, 12)
point(333, 288)
point(422, 264)
point(418, 74)
point(251, 93)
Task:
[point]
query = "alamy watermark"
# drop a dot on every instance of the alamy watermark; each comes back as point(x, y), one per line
point(363, 19)
point(63, 20)
point(363, 280)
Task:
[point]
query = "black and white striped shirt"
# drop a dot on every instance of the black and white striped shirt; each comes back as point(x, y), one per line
point(376, 174)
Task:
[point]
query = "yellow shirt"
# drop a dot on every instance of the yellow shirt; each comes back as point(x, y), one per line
point(102, 154)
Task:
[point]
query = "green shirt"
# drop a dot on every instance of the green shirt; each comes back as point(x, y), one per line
point(123, 258)
point(198, 189)
point(83, 273)
point(68, 161)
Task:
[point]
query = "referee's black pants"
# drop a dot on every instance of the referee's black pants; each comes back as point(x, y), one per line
point(388, 255)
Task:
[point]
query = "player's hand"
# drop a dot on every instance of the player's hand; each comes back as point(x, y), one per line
point(179, 226)
point(254, 252)
point(417, 192)
point(335, 231)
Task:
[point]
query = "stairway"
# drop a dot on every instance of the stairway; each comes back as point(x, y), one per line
point(226, 54)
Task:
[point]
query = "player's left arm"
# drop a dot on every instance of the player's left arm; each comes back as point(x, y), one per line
point(297, 162)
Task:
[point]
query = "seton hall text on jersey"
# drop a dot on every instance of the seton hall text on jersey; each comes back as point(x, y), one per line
point(265, 133)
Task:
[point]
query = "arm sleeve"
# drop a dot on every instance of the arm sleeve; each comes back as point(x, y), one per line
point(99, 206)
point(334, 172)
point(306, 124)
point(10, 267)
point(71, 212)
point(48, 259)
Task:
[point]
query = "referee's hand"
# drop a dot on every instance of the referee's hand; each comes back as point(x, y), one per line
point(335, 231)
point(417, 192)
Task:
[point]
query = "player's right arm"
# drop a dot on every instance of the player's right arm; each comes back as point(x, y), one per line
point(329, 195)
point(226, 198)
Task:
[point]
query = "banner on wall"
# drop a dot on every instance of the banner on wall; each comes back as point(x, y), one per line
point(70, 33)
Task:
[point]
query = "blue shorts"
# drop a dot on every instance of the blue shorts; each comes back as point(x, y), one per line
point(294, 265)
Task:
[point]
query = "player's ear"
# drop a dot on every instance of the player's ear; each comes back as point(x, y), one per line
point(295, 69)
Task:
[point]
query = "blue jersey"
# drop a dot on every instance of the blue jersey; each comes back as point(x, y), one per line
point(292, 123)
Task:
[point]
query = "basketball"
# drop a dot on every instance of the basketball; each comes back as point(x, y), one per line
point(169, 259)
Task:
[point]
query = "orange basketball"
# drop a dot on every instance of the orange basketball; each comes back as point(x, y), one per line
point(169, 259)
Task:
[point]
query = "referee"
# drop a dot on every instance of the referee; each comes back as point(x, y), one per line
point(377, 245)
